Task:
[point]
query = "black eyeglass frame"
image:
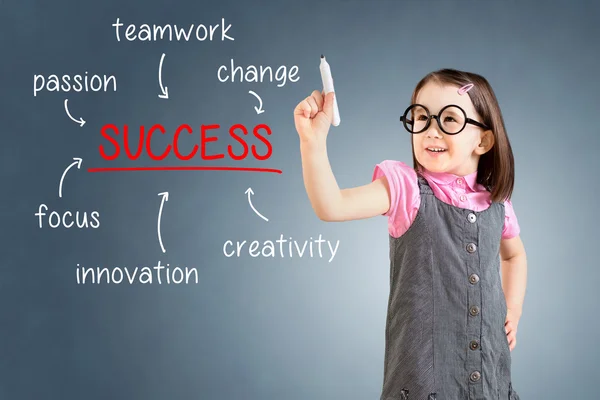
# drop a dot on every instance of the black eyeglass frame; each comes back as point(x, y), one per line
point(468, 120)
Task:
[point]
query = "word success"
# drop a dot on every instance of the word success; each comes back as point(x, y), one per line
point(134, 147)
point(289, 246)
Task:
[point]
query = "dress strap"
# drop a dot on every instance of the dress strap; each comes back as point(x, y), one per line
point(424, 187)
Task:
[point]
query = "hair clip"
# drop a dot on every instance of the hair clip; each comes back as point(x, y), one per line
point(465, 89)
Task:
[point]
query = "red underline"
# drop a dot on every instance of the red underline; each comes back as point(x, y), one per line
point(189, 168)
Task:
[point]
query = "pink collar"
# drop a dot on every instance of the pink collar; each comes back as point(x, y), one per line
point(444, 178)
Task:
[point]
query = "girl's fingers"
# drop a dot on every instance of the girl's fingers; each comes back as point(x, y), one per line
point(314, 108)
point(319, 98)
point(512, 341)
point(509, 327)
point(303, 108)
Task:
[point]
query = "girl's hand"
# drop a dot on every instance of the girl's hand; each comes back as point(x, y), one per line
point(313, 116)
point(510, 326)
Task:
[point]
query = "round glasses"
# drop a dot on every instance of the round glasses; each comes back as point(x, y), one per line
point(451, 119)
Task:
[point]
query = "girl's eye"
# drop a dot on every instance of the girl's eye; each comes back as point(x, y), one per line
point(421, 118)
point(449, 119)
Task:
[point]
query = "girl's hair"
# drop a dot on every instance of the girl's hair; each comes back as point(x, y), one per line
point(496, 170)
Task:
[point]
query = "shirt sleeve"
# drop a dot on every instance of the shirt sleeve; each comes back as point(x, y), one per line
point(511, 224)
point(404, 194)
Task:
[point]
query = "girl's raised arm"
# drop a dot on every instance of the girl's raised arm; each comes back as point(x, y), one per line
point(313, 117)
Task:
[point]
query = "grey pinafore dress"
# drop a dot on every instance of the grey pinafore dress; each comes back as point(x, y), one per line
point(445, 336)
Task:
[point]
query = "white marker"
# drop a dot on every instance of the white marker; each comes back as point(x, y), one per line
point(328, 87)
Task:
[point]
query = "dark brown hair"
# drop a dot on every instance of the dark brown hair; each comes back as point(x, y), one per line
point(496, 169)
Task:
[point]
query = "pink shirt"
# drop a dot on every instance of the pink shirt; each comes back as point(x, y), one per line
point(458, 191)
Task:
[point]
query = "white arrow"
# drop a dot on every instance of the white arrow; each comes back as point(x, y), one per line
point(250, 192)
point(80, 121)
point(164, 90)
point(165, 197)
point(78, 163)
point(258, 109)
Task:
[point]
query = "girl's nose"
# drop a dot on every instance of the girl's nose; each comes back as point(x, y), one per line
point(433, 131)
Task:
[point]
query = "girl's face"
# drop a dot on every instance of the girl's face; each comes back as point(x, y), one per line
point(461, 151)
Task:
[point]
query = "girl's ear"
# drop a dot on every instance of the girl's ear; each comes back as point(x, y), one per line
point(486, 142)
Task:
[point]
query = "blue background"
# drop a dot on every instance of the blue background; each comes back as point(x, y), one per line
point(275, 328)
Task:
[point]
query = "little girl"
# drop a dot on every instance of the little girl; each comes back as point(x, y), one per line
point(452, 320)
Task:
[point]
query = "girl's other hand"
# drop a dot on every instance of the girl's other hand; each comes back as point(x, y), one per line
point(510, 326)
point(313, 116)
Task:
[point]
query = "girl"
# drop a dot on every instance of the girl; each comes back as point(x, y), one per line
point(452, 320)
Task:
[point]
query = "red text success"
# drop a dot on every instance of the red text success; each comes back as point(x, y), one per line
point(123, 139)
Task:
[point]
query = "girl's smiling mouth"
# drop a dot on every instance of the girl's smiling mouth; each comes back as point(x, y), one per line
point(435, 149)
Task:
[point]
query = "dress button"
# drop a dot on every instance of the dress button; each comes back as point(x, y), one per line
point(463, 197)
point(471, 247)
point(459, 181)
point(472, 218)
point(474, 345)
point(474, 310)
point(475, 376)
point(473, 278)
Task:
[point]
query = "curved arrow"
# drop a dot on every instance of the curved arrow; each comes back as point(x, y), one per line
point(165, 197)
point(250, 192)
point(80, 121)
point(164, 90)
point(258, 109)
point(78, 162)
